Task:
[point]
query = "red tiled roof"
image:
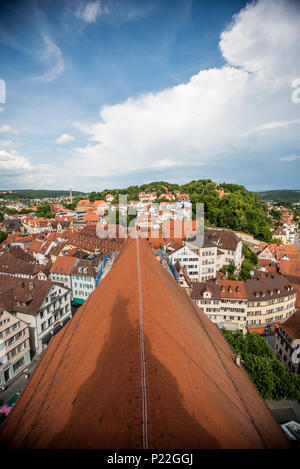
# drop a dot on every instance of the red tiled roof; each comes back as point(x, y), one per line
point(257, 331)
point(90, 217)
point(63, 265)
point(290, 268)
point(34, 246)
point(232, 289)
point(86, 390)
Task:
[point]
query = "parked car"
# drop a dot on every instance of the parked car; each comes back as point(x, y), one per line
point(13, 400)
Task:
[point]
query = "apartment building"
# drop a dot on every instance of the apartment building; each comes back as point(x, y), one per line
point(250, 305)
point(189, 260)
point(285, 347)
point(14, 346)
point(199, 256)
point(60, 271)
point(224, 302)
point(229, 243)
point(43, 305)
point(83, 279)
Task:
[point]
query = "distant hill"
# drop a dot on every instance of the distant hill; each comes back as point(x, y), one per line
point(280, 195)
point(37, 194)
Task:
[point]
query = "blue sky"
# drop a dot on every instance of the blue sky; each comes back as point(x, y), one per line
point(104, 94)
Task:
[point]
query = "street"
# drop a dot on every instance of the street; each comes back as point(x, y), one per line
point(18, 383)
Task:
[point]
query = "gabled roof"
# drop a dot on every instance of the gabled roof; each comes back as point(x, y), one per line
point(10, 264)
point(232, 289)
point(224, 239)
point(87, 392)
point(290, 268)
point(31, 291)
point(85, 267)
point(268, 286)
point(63, 265)
point(199, 288)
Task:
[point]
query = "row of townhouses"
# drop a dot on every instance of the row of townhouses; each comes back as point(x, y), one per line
point(254, 303)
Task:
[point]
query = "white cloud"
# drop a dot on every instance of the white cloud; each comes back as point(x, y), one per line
point(65, 138)
point(6, 143)
point(213, 116)
point(290, 158)
point(167, 163)
point(7, 128)
point(13, 162)
point(264, 38)
point(89, 11)
point(272, 126)
point(1, 109)
point(51, 55)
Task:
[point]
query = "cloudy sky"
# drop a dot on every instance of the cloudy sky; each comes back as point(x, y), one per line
point(103, 93)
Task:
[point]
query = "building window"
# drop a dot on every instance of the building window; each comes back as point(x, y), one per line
point(15, 326)
point(19, 364)
point(43, 326)
point(4, 321)
point(21, 346)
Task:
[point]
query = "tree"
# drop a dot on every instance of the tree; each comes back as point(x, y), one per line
point(44, 211)
point(259, 368)
point(265, 370)
point(276, 241)
point(25, 211)
point(231, 268)
point(3, 236)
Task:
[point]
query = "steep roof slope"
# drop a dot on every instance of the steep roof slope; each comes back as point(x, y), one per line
point(93, 389)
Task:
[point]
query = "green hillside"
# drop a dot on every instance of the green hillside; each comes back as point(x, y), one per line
point(38, 194)
point(291, 196)
point(241, 210)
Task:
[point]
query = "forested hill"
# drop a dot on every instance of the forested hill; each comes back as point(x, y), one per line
point(280, 195)
point(240, 210)
point(36, 194)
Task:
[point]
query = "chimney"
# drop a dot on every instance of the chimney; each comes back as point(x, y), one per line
point(237, 359)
